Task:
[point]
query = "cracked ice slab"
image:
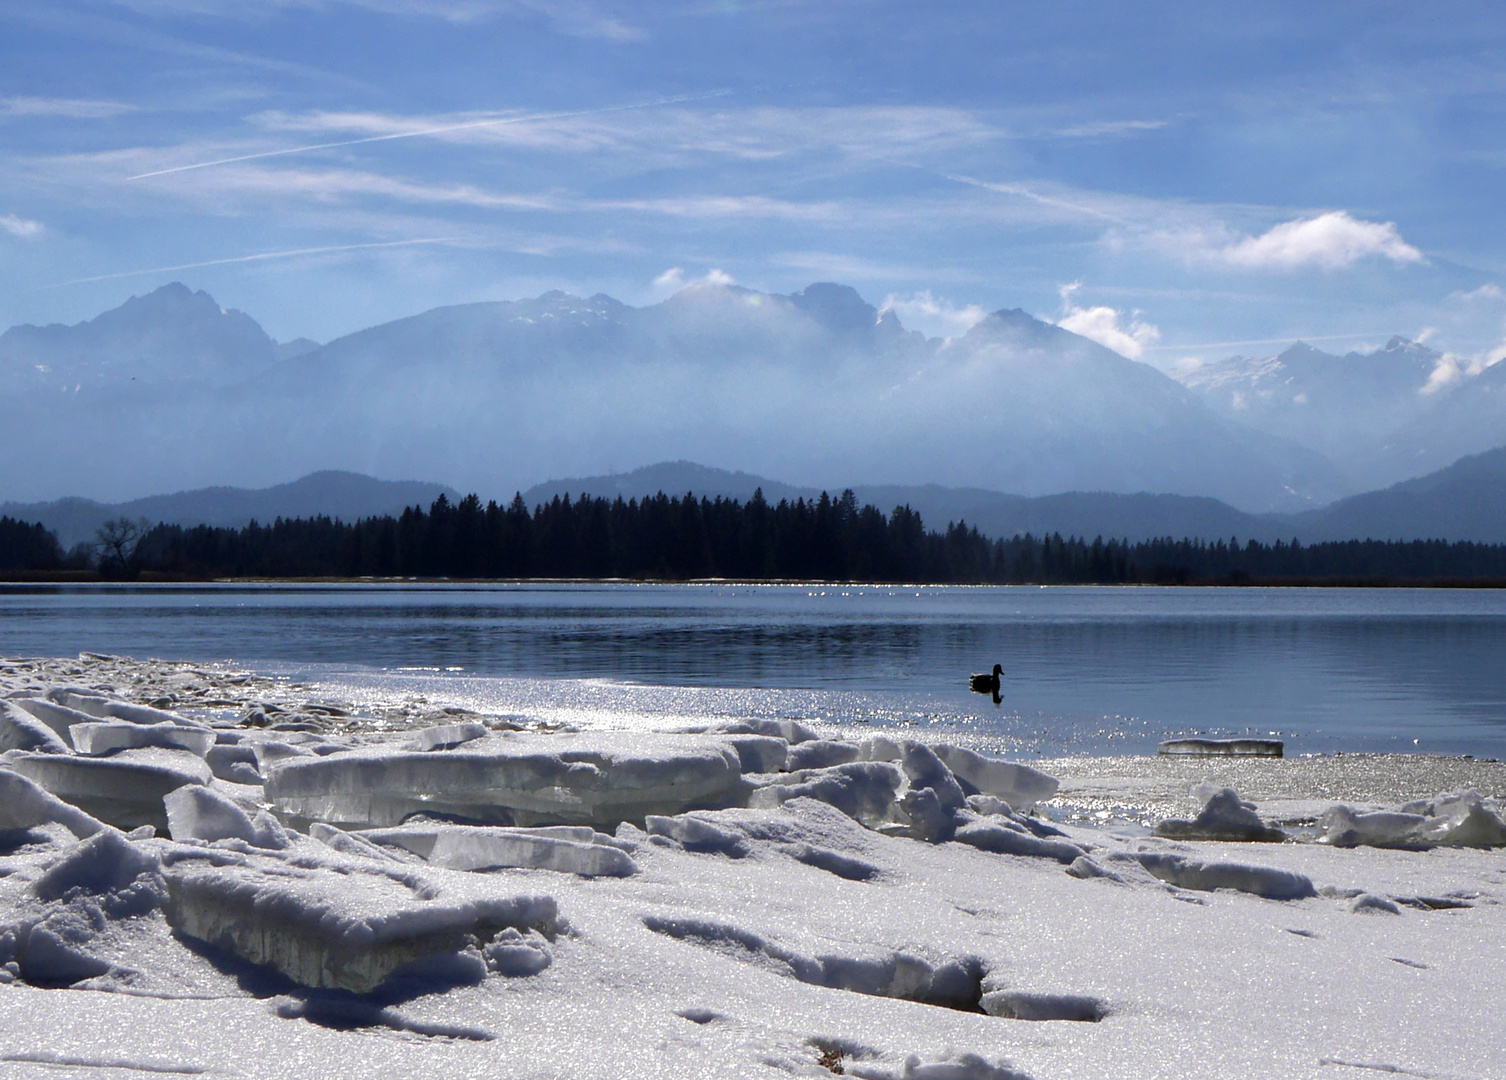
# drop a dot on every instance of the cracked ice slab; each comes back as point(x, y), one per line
point(598, 778)
point(571, 850)
point(124, 790)
point(338, 922)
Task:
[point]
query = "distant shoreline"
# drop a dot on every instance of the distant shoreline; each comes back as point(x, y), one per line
point(93, 577)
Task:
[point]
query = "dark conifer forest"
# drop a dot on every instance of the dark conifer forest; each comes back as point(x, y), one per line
point(683, 538)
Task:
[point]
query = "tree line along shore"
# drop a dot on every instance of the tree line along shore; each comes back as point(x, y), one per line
point(680, 538)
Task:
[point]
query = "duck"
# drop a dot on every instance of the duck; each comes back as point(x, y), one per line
point(987, 683)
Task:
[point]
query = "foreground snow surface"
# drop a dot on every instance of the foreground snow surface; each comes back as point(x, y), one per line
point(783, 939)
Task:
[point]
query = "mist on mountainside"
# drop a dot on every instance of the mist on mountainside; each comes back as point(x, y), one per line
point(819, 388)
point(1383, 416)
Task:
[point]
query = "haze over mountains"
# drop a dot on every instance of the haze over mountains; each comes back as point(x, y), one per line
point(819, 388)
point(1383, 416)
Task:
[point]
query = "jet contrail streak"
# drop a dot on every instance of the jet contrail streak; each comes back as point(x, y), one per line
point(1021, 191)
point(498, 122)
point(253, 258)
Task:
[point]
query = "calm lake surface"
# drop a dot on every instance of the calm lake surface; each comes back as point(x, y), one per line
point(1087, 670)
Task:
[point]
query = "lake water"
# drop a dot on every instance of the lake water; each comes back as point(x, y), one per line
point(1087, 670)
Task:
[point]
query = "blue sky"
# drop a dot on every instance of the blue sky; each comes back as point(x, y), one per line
point(1178, 180)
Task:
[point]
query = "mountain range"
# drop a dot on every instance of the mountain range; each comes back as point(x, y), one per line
point(343, 495)
point(1466, 501)
point(172, 392)
point(1380, 417)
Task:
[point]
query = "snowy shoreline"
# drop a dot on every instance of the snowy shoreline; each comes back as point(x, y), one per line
point(425, 890)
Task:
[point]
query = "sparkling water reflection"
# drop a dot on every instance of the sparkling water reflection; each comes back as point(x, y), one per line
point(1098, 670)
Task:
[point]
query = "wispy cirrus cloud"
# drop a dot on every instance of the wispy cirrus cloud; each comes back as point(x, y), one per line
point(580, 18)
point(466, 125)
point(264, 256)
point(668, 129)
point(66, 108)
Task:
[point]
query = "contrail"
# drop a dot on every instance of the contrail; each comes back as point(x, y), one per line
point(1021, 191)
point(253, 258)
point(498, 122)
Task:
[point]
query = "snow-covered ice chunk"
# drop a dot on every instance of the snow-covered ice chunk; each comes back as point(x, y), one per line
point(480, 847)
point(1461, 819)
point(448, 736)
point(791, 731)
point(1369, 903)
point(964, 1066)
point(1006, 838)
point(954, 984)
point(124, 790)
point(19, 730)
point(1269, 882)
point(1018, 785)
point(926, 770)
point(105, 737)
point(1026, 1005)
point(340, 924)
point(349, 843)
point(107, 708)
point(196, 812)
point(696, 834)
point(517, 955)
point(105, 862)
point(928, 819)
point(822, 754)
point(597, 778)
point(760, 753)
point(24, 805)
point(58, 717)
point(235, 762)
point(1466, 820)
point(1224, 816)
point(863, 790)
point(1343, 826)
point(833, 862)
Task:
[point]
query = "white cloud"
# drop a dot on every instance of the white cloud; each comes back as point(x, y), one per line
point(673, 280)
point(18, 226)
point(1332, 241)
point(1101, 324)
point(1489, 291)
point(932, 316)
point(1452, 369)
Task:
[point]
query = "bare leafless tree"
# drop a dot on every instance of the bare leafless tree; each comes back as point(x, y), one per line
point(116, 542)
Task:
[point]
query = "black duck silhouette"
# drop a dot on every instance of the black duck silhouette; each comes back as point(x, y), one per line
point(989, 683)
